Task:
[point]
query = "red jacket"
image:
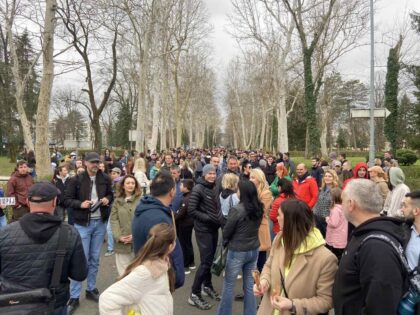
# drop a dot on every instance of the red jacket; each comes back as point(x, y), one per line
point(355, 171)
point(274, 212)
point(18, 186)
point(306, 191)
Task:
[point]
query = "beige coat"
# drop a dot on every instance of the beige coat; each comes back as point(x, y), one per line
point(264, 236)
point(308, 284)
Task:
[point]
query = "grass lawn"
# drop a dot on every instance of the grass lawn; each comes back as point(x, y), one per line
point(412, 172)
point(6, 168)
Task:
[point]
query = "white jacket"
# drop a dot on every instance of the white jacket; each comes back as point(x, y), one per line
point(142, 180)
point(145, 289)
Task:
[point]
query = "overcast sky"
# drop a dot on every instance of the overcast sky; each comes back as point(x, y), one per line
point(389, 18)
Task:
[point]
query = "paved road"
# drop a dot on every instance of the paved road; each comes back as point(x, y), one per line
point(108, 274)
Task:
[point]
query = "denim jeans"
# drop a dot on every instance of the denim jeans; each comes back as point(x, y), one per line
point(92, 239)
point(110, 237)
point(235, 263)
point(3, 221)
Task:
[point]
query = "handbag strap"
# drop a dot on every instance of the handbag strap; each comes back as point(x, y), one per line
point(283, 284)
point(59, 256)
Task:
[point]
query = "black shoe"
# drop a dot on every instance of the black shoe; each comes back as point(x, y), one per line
point(72, 305)
point(92, 295)
point(239, 297)
point(207, 291)
point(199, 302)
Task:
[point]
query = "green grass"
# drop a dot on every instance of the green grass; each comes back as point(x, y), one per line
point(412, 172)
point(6, 168)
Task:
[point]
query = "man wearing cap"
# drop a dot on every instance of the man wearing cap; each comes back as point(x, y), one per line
point(28, 247)
point(203, 208)
point(89, 194)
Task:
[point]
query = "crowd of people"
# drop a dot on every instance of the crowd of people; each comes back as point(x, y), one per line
point(304, 239)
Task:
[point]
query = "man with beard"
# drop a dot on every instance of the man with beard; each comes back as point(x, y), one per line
point(89, 194)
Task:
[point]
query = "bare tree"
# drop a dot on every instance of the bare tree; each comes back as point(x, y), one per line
point(83, 34)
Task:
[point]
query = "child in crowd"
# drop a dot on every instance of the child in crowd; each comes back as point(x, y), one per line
point(337, 225)
point(146, 285)
point(184, 226)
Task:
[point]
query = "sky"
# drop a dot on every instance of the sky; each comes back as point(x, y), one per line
point(390, 15)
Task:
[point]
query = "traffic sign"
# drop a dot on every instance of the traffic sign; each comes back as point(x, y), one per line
point(365, 113)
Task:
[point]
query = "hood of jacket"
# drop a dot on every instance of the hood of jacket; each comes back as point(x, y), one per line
point(396, 176)
point(63, 179)
point(312, 241)
point(300, 179)
point(205, 183)
point(157, 267)
point(39, 226)
point(150, 203)
point(357, 167)
point(392, 226)
point(226, 193)
point(17, 174)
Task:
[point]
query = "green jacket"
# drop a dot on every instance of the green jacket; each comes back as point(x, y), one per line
point(274, 186)
point(122, 214)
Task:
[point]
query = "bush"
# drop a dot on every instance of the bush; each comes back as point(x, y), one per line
point(406, 157)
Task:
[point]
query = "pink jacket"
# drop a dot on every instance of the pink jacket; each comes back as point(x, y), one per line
point(337, 227)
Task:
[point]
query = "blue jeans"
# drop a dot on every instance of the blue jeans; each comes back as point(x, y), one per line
point(3, 221)
point(110, 237)
point(92, 239)
point(235, 263)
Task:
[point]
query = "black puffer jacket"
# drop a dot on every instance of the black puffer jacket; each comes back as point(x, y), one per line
point(203, 207)
point(61, 184)
point(370, 279)
point(79, 190)
point(240, 233)
point(27, 254)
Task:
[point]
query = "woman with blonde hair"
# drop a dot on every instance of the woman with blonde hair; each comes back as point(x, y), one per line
point(377, 174)
point(323, 205)
point(257, 177)
point(123, 208)
point(146, 285)
point(229, 197)
point(139, 170)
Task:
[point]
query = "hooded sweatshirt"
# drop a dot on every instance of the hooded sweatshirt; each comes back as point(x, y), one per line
point(355, 171)
point(150, 212)
point(228, 198)
point(145, 289)
point(370, 278)
point(397, 194)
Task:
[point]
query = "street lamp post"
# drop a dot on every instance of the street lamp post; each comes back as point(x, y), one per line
point(372, 89)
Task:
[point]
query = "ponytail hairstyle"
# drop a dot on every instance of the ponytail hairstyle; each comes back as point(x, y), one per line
point(160, 237)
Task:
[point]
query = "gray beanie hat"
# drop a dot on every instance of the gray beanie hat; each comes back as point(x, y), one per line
point(207, 169)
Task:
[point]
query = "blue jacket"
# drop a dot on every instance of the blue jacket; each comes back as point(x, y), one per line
point(176, 202)
point(150, 212)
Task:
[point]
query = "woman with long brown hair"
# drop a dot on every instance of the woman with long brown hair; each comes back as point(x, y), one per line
point(299, 274)
point(146, 285)
point(128, 196)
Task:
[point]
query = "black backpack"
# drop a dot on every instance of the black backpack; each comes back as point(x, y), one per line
point(16, 300)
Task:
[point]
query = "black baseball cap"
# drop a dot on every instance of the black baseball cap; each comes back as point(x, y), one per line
point(92, 157)
point(42, 191)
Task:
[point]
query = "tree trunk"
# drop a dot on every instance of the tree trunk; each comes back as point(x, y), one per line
point(155, 114)
point(97, 135)
point(41, 146)
point(310, 102)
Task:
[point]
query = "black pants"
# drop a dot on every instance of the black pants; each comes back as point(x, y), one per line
point(207, 244)
point(321, 224)
point(262, 258)
point(184, 235)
